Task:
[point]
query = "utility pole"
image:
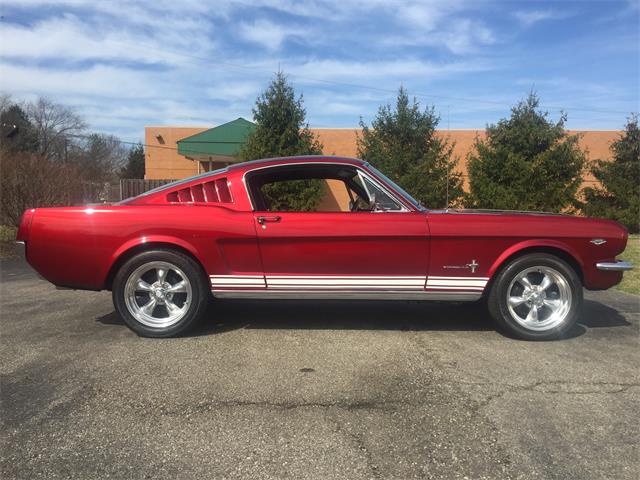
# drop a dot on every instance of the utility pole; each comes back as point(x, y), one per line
point(447, 161)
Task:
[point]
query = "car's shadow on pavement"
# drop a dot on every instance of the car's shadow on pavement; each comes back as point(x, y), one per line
point(227, 315)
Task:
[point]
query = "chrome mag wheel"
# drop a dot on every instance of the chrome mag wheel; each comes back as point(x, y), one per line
point(158, 294)
point(539, 298)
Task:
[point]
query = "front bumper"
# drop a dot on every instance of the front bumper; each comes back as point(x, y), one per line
point(617, 266)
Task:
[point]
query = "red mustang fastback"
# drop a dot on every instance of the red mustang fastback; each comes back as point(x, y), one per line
point(162, 253)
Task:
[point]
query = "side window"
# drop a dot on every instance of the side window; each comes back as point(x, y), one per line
point(336, 198)
point(308, 195)
point(317, 188)
point(302, 195)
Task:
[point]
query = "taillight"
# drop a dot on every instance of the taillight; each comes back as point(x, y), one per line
point(25, 225)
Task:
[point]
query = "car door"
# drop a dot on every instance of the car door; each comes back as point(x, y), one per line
point(380, 250)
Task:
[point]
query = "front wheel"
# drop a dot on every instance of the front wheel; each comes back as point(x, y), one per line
point(536, 297)
point(160, 293)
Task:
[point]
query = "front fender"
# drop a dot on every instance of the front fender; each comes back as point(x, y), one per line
point(536, 243)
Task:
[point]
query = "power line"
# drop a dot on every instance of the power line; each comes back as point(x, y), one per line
point(175, 149)
point(356, 85)
point(117, 140)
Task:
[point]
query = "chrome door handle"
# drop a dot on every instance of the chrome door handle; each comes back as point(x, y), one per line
point(263, 220)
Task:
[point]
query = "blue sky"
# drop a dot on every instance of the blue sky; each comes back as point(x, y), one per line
point(126, 64)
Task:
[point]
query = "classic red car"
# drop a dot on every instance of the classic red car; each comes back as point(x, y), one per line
point(162, 253)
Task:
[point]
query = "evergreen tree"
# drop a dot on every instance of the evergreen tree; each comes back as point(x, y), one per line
point(403, 144)
point(17, 133)
point(527, 162)
point(281, 130)
point(134, 167)
point(619, 196)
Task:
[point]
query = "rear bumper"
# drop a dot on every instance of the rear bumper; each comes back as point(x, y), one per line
point(617, 266)
point(21, 249)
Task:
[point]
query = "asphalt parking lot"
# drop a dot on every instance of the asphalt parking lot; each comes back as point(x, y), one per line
point(313, 390)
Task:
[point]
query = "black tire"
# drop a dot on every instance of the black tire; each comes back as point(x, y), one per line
point(509, 319)
point(192, 310)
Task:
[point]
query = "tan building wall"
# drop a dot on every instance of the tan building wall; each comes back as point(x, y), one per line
point(163, 162)
point(161, 159)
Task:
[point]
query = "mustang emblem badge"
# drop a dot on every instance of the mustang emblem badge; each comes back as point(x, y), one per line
point(472, 266)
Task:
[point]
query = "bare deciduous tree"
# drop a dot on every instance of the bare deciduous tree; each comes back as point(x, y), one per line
point(55, 125)
point(30, 180)
point(99, 157)
point(5, 102)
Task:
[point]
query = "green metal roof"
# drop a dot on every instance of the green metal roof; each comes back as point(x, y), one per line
point(224, 140)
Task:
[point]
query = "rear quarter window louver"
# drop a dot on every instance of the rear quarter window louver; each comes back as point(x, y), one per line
point(215, 191)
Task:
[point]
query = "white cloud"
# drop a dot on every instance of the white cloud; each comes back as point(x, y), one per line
point(268, 34)
point(105, 81)
point(69, 38)
point(393, 70)
point(531, 17)
point(235, 90)
point(124, 64)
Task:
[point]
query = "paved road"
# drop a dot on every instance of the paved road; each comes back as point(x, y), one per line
point(313, 390)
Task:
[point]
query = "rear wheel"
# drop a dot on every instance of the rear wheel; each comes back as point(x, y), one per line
point(536, 297)
point(160, 293)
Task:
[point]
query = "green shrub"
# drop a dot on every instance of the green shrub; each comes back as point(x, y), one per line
point(402, 143)
point(619, 196)
point(281, 131)
point(527, 162)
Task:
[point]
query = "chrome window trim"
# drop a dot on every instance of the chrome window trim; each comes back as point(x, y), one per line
point(362, 175)
point(403, 204)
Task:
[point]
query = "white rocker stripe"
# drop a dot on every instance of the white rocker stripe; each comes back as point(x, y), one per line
point(348, 277)
point(223, 277)
point(215, 288)
point(443, 287)
point(237, 281)
point(456, 283)
point(230, 281)
point(343, 281)
point(351, 286)
point(434, 277)
point(360, 282)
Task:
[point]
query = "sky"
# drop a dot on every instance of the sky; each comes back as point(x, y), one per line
point(126, 64)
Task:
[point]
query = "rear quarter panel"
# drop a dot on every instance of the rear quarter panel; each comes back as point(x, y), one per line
point(76, 247)
point(490, 239)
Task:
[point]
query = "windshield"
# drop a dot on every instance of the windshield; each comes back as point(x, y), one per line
point(396, 187)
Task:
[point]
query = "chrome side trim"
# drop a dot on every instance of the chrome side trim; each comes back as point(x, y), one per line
point(617, 266)
point(349, 295)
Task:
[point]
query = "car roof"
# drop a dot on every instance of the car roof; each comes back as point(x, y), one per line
point(242, 168)
point(253, 164)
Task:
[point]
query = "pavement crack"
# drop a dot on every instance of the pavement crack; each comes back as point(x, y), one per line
point(560, 387)
point(362, 448)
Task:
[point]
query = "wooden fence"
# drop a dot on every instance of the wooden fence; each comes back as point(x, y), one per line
point(95, 192)
point(130, 187)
